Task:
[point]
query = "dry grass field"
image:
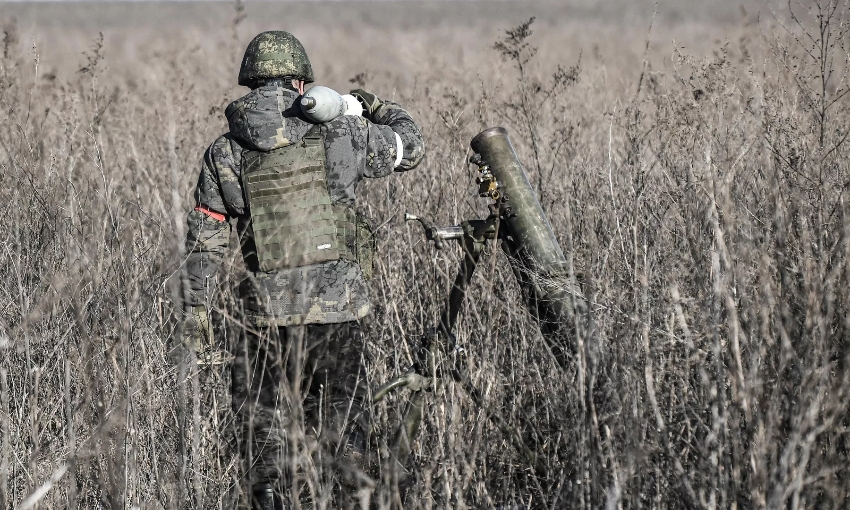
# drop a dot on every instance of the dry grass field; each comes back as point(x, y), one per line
point(696, 173)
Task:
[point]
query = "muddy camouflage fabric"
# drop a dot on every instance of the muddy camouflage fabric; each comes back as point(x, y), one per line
point(274, 54)
point(355, 148)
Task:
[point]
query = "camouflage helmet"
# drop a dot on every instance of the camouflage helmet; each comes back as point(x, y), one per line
point(274, 54)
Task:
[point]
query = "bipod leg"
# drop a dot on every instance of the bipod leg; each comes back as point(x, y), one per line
point(431, 357)
point(473, 246)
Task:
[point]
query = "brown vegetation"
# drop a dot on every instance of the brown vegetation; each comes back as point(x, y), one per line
point(699, 186)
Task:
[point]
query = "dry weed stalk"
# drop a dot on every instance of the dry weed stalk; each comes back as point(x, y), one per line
point(706, 215)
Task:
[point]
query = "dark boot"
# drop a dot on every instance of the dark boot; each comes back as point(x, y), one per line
point(263, 497)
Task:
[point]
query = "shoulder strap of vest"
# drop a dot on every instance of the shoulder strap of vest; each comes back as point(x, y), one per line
point(314, 136)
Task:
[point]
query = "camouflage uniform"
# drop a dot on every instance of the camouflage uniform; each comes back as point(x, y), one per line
point(301, 320)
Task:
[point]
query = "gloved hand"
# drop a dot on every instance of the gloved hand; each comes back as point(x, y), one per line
point(370, 102)
point(198, 331)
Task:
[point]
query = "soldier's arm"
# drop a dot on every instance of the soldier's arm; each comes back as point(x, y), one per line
point(218, 196)
point(404, 130)
point(409, 147)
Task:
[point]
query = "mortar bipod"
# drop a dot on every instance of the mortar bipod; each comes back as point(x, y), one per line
point(473, 236)
point(438, 355)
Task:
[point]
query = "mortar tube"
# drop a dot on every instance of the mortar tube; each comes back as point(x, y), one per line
point(535, 241)
point(537, 260)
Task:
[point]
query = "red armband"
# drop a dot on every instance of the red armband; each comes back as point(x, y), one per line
point(212, 214)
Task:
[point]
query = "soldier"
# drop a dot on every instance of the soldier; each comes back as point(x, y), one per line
point(289, 185)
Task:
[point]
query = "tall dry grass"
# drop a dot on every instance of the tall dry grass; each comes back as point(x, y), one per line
point(699, 190)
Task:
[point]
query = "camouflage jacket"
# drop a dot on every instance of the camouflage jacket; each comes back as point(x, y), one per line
point(268, 118)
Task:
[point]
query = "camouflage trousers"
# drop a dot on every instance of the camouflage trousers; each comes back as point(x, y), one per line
point(300, 396)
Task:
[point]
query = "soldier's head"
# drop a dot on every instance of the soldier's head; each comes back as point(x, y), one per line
point(275, 57)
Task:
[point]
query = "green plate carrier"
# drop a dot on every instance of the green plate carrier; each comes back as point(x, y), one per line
point(294, 221)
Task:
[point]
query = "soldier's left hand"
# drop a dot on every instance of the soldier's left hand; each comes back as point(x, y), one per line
point(370, 102)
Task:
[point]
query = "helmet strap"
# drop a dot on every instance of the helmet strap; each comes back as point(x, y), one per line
point(283, 81)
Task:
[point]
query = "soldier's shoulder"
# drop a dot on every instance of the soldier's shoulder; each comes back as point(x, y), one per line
point(226, 149)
